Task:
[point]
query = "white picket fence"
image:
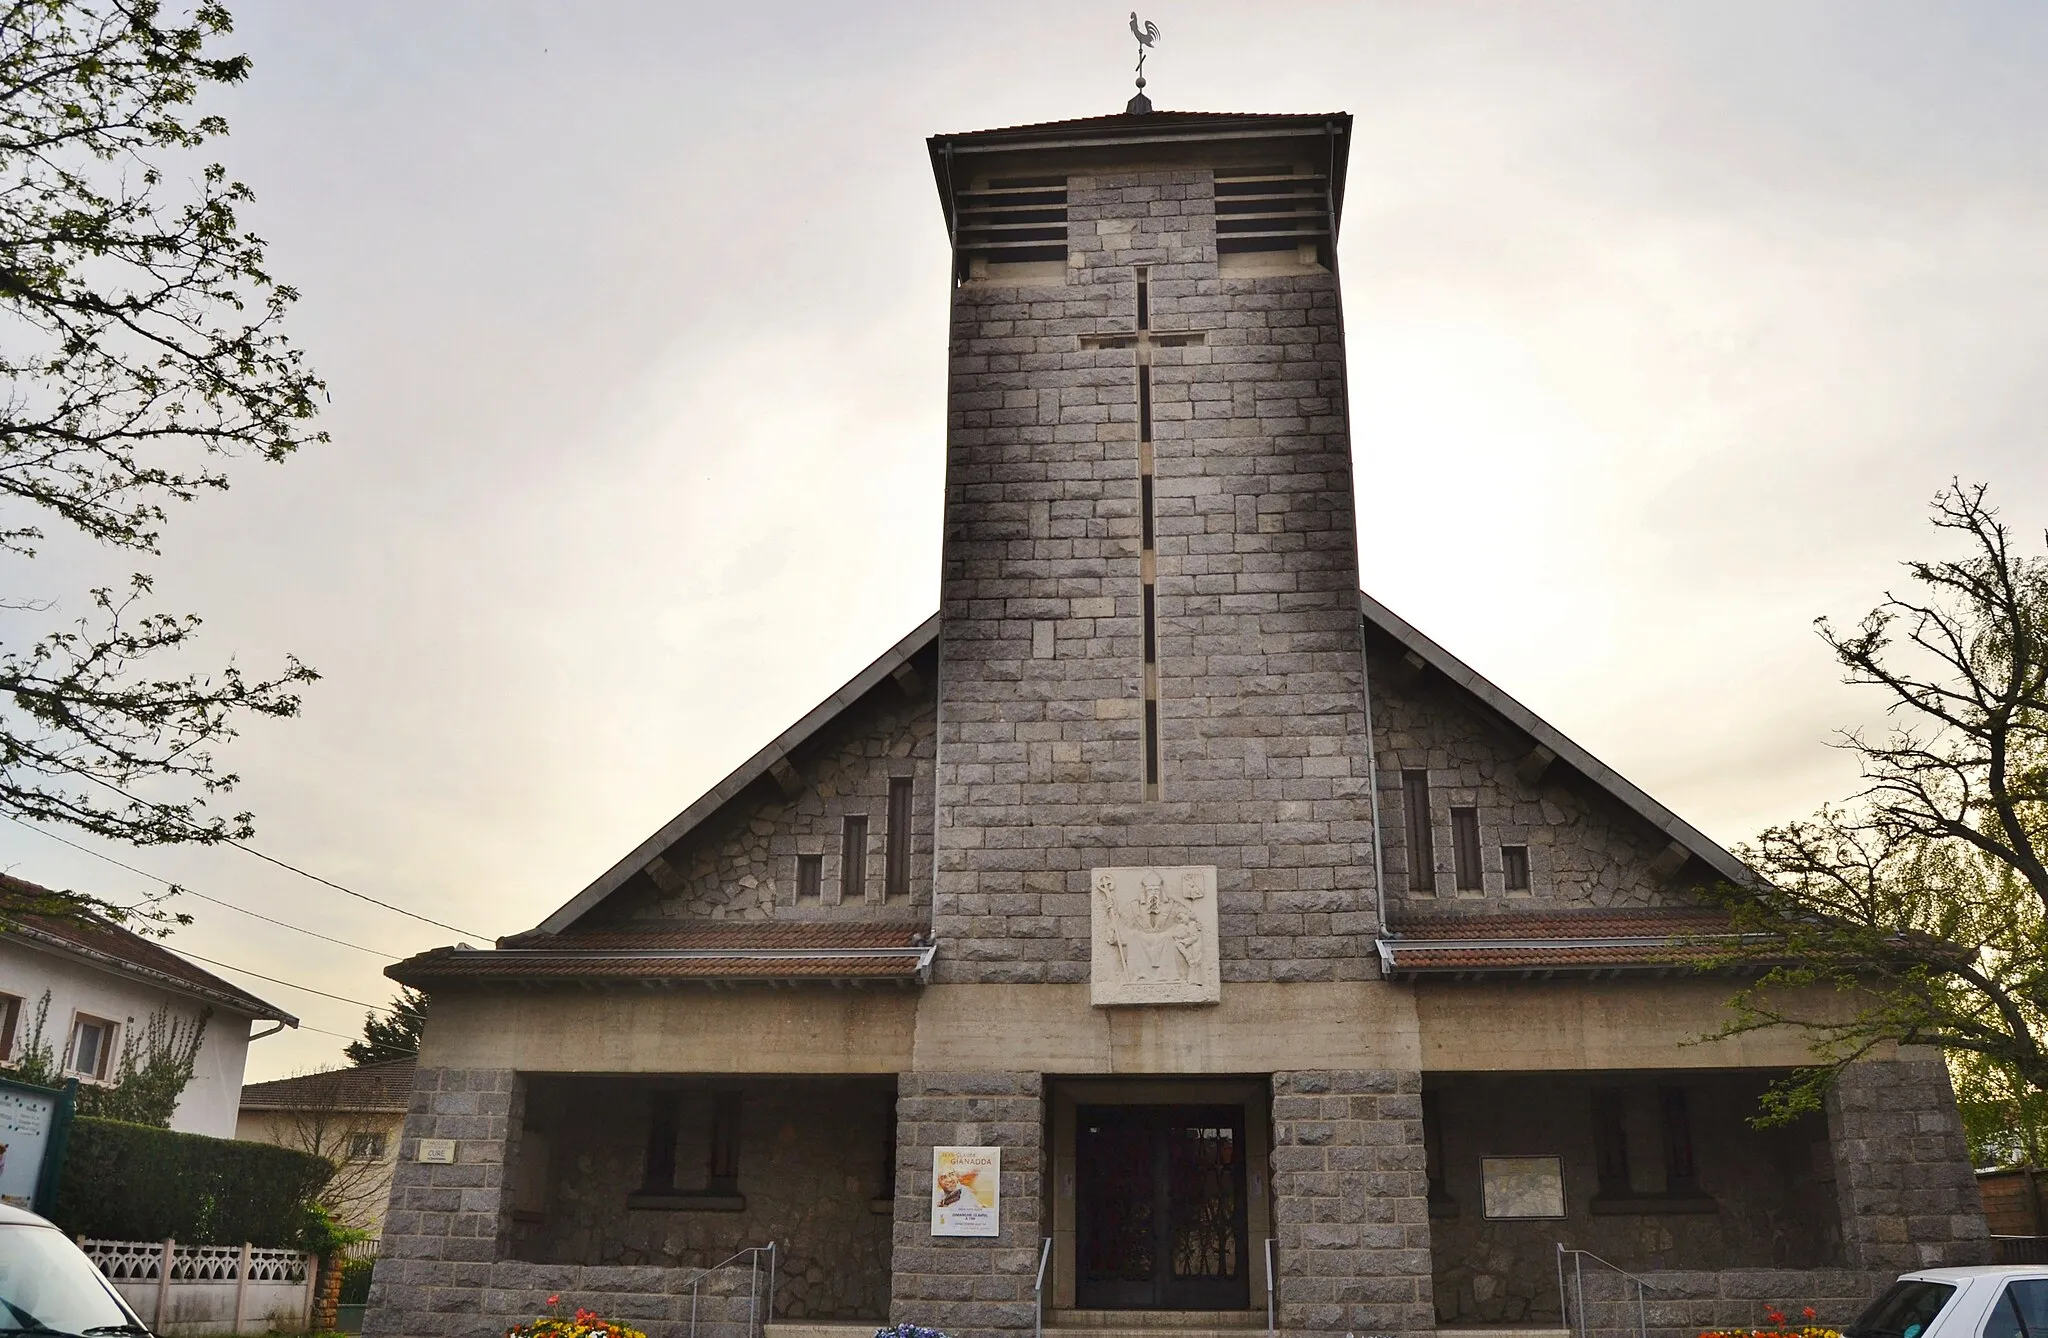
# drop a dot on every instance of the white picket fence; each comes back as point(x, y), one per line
point(209, 1288)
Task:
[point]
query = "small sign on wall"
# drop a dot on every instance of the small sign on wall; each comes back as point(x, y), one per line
point(967, 1191)
point(1522, 1186)
point(437, 1151)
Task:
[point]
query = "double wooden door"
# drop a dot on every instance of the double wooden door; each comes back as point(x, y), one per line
point(1160, 1220)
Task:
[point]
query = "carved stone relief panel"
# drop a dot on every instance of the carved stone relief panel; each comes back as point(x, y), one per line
point(1155, 936)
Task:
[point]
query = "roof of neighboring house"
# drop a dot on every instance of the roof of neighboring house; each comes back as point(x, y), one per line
point(657, 952)
point(37, 915)
point(1553, 943)
point(370, 1087)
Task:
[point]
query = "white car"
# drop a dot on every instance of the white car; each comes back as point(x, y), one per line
point(49, 1288)
point(1990, 1301)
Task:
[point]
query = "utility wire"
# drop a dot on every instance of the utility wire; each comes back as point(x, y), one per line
point(179, 887)
point(270, 859)
point(338, 998)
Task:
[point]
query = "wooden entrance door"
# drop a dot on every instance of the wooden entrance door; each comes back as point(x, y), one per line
point(1160, 1208)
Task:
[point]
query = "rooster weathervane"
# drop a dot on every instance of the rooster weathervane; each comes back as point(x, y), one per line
point(1147, 33)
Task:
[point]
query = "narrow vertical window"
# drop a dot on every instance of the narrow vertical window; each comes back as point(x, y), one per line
point(1144, 301)
point(853, 858)
point(658, 1176)
point(1152, 748)
point(1610, 1143)
point(722, 1162)
point(1465, 848)
point(1151, 629)
point(1681, 1176)
point(896, 861)
point(1514, 868)
point(1144, 402)
point(1421, 839)
point(810, 877)
point(1147, 538)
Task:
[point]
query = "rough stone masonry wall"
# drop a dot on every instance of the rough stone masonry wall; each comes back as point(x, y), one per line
point(1350, 1202)
point(968, 1286)
point(1586, 850)
point(1908, 1198)
point(741, 863)
point(1264, 759)
point(438, 1272)
point(812, 1159)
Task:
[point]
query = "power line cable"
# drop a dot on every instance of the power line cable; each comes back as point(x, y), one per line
point(180, 887)
point(338, 998)
point(271, 859)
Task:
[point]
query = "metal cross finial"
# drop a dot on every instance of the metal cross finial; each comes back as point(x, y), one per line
point(1147, 34)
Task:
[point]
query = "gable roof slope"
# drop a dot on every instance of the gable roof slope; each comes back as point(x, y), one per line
point(102, 943)
point(368, 1087)
point(1497, 703)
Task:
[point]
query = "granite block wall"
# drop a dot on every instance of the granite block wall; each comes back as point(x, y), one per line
point(968, 1286)
point(1261, 702)
point(1907, 1195)
point(740, 864)
point(1678, 1303)
point(1586, 850)
point(1350, 1202)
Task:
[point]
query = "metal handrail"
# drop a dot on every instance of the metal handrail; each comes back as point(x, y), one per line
point(755, 1318)
point(1272, 1295)
point(1038, 1288)
point(1579, 1258)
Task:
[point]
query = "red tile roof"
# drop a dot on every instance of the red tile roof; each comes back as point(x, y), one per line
point(668, 951)
point(372, 1087)
point(48, 919)
point(1552, 943)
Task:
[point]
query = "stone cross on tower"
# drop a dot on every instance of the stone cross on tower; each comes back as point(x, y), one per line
point(1143, 339)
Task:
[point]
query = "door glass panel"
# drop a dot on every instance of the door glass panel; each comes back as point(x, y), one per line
point(1202, 1166)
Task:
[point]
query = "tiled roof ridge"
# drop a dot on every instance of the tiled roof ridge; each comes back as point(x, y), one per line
point(1572, 922)
point(386, 1086)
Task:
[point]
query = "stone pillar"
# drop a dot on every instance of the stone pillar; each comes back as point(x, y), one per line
point(445, 1221)
point(1903, 1182)
point(1351, 1202)
point(968, 1286)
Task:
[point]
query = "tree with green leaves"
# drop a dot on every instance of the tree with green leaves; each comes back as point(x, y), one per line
point(1914, 913)
point(142, 349)
point(394, 1036)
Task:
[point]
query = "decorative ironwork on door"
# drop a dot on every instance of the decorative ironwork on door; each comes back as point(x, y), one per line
point(1160, 1208)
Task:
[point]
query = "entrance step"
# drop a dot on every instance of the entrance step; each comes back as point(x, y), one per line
point(1503, 1333)
point(1165, 1323)
point(823, 1329)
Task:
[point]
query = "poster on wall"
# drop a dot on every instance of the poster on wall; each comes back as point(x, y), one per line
point(1522, 1186)
point(967, 1191)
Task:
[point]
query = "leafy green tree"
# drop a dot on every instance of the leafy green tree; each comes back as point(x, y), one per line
point(141, 349)
point(392, 1037)
point(1914, 913)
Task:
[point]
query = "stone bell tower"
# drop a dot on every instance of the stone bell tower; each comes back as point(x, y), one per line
point(1151, 643)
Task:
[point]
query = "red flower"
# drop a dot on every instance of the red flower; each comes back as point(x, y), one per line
point(1810, 1313)
point(556, 1299)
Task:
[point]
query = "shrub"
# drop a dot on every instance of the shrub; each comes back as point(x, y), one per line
point(355, 1280)
point(135, 1182)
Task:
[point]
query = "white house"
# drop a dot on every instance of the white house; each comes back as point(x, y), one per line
point(83, 988)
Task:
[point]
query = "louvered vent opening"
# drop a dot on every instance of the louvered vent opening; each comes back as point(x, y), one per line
point(1012, 220)
point(1273, 209)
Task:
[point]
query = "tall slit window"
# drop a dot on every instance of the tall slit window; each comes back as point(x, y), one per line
point(1465, 848)
point(810, 878)
point(853, 858)
point(1421, 838)
point(896, 861)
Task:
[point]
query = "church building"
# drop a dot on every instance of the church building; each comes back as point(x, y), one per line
point(1166, 936)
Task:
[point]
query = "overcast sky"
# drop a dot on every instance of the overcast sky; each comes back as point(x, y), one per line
point(1665, 323)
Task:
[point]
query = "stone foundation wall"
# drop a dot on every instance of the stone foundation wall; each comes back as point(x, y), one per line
point(1350, 1202)
point(1685, 1303)
point(1908, 1198)
point(968, 1286)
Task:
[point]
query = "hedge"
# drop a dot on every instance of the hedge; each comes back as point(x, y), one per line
point(134, 1182)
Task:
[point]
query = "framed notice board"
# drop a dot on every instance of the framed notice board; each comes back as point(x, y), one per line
point(35, 1124)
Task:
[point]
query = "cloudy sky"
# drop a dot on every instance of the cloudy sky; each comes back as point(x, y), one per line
point(1666, 321)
